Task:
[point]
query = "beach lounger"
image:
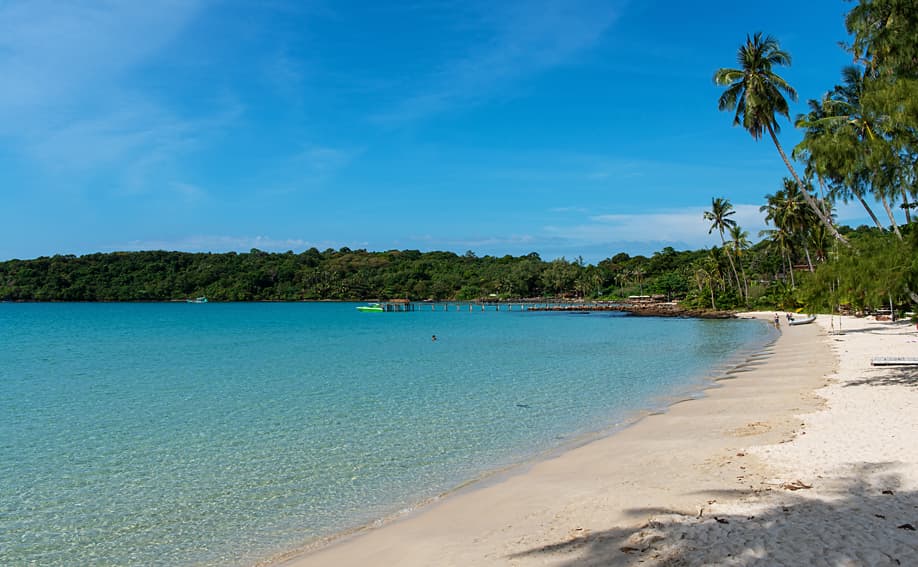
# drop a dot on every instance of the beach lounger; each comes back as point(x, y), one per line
point(894, 361)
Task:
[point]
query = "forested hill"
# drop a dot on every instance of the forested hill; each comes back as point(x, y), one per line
point(335, 274)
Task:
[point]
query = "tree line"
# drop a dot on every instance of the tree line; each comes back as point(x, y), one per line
point(337, 275)
point(698, 278)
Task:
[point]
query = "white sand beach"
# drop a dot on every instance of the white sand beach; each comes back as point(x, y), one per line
point(804, 455)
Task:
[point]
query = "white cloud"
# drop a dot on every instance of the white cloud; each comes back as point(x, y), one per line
point(684, 226)
point(474, 242)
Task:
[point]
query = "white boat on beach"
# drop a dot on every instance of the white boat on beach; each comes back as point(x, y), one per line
point(894, 361)
point(804, 321)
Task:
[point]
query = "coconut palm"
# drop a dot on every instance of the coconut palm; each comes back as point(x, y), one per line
point(756, 94)
point(847, 143)
point(706, 273)
point(780, 240)
point(821, 151)
point(792, 219)
point(719, 215)
point(883, 33)
point(713, 266)
point(787, 211)
point(638, 273)
point(703, 278)
point(738, 244)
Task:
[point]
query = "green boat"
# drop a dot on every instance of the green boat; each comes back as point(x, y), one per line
point(371, 308)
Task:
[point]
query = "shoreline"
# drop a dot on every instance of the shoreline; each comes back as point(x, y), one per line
point(696, 389)
point(543, 512)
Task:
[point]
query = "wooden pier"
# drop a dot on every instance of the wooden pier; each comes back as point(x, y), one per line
point(640, 307)
point(403, 306)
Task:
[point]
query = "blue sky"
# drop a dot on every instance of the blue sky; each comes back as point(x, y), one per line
point(569, 128)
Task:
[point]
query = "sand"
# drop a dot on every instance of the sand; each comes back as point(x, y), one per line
point(804, 455)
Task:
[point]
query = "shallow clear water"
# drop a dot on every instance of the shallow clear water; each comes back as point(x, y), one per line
point(176, 434)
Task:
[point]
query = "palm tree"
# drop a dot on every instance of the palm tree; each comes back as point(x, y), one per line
point(848, 142)
point(738, 243)
point(883, 33)
point(712, 266)
point(781, 240)
point(638, 273)
point(704, 278)
point(719, 215)
point(820, 150)
point(788, 212)
point(754, 91)
point(706, 273)
point(621, 277)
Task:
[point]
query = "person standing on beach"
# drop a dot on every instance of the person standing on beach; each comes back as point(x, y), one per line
point(777, 321)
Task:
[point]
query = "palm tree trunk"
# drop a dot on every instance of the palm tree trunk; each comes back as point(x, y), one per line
point(806, 194)
point(745, 282)
point(809, 262)
point(892, 219)
point(732, 265)
point(790, 270)
point(876, 221)
point(908, 214)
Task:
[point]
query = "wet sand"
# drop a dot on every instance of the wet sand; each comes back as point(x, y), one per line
point(606, 502)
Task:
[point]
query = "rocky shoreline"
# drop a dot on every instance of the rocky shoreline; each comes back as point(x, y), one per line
point(669, 310)
point(642, 310)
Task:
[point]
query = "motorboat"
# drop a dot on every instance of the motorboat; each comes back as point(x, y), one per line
point(804, 321)
point(371, 308)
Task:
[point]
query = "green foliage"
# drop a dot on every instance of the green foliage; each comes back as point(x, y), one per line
point(352, 275)
point(329, 275)
point(754, 91)
point(877, 269)
point(861, 142)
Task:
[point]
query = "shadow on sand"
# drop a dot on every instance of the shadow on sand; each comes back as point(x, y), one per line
point(902, 327)
point(864, 519)
point(903, 376)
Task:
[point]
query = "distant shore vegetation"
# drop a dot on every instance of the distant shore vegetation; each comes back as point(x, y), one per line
point(771, 276)
point(860, 145)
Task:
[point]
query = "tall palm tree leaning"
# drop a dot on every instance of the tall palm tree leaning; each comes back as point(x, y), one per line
point(719, 215)
point(754, 91)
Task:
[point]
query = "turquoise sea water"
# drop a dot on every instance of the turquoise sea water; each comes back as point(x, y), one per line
point(223, 434)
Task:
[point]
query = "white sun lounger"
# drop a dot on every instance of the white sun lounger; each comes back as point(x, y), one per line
point(894, 361)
